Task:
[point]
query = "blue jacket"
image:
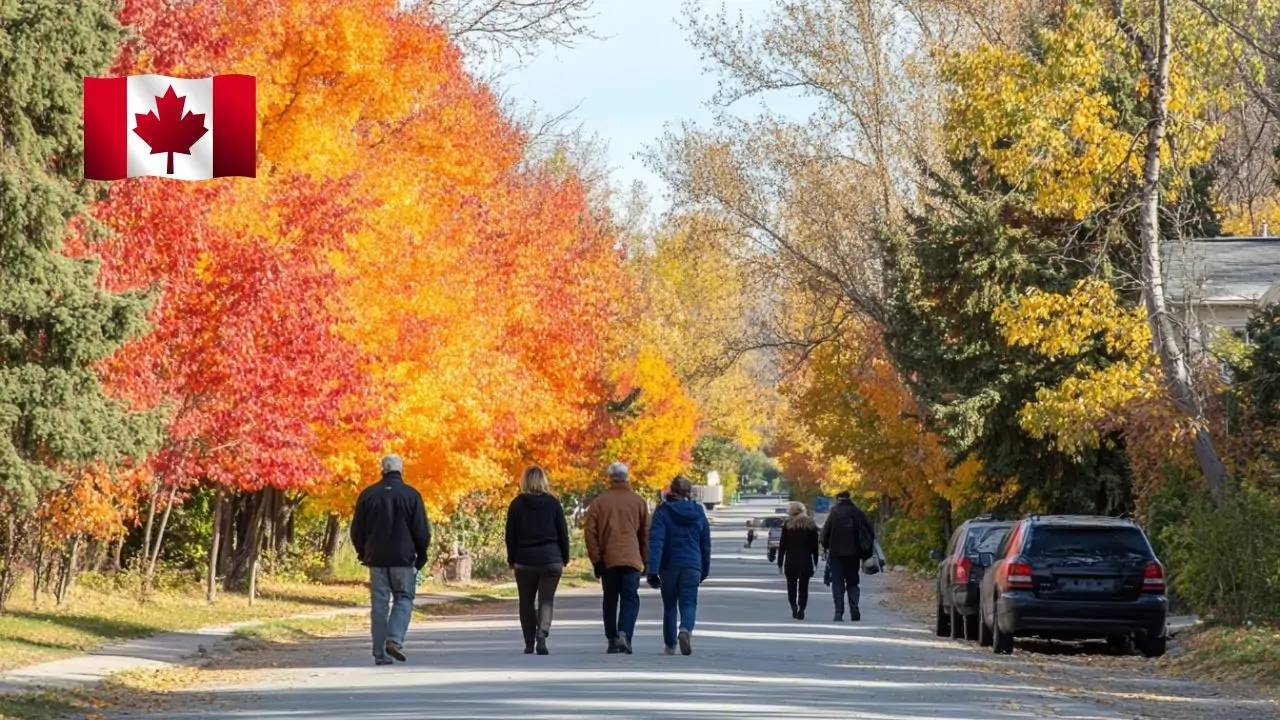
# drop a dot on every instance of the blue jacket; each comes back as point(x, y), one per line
point(680, 537)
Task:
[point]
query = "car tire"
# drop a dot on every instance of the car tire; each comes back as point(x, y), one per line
point(1120, 644)
point(1153, 646)
point(773, 555)
point(942, 621)
point(957, 624)
point(1001, 642)
point(971, 624)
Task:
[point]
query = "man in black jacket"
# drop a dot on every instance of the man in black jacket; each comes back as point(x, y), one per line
point(844, 537)
point(391, 534)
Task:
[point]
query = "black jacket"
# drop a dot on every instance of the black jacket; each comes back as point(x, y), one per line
point(840, 531)
point(390, 527)
point(798, 549)
point(536, 531)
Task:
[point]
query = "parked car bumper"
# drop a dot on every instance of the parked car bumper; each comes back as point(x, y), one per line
point(1021, 612)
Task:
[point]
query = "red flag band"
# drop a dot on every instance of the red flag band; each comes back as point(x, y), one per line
point(170, 127)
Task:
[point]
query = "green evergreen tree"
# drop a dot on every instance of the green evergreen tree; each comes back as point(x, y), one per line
point(55, 322)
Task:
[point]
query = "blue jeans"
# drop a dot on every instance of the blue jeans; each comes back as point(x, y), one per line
point(621, 587)
point(679, 593)
point(394, 587)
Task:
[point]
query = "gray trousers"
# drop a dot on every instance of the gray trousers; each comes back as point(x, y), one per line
point(391, 597)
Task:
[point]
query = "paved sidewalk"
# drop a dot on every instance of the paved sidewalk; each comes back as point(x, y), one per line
point(159, 651)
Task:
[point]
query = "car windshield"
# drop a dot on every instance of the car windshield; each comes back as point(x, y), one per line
point(986, 539)
point(772, 522)
point(1088, 541)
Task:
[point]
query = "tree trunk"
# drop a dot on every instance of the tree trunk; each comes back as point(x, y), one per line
point(151, 517)
point(255, 546)
point(246, 556)
point(215, 549)
point(332, 541)
point(39, 565)
point(117, 557)
point(68, 578)
point(230, 507)
point(1173, 359)
point(155, 549)
point(9, 578)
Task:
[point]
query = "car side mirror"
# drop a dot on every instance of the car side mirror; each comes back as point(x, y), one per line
point(935, 556)
point(986, 559)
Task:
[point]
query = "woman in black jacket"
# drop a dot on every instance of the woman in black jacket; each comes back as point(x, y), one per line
point(538, 550)
point(798, 556)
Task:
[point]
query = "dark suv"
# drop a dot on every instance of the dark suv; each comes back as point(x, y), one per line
point(972, 548)
point(1075, 577)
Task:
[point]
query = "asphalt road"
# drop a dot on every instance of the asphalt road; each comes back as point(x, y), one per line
point(750, 659)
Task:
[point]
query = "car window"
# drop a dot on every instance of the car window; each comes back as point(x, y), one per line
point(955, 537)
point(1010, 540)
point(772, 522)
point(1085, 540)
point(986, 539)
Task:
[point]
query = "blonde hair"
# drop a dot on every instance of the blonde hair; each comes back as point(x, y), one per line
point(535, 481)
point(798, 518)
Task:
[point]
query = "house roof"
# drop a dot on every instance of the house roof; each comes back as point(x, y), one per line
point(1225, 270)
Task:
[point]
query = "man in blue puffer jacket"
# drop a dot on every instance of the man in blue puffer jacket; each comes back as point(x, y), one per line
point(679, 560)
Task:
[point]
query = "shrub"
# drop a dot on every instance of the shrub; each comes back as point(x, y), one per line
point(1223, 559)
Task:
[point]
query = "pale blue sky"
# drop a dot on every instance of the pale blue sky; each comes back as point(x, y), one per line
point(642, 74)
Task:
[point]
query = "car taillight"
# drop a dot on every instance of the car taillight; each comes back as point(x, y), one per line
point(1017, 575)
point(1153, 578)
point(962, 570)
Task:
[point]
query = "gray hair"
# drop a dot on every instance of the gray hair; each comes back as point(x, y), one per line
point(392, 463)
point(619, 473)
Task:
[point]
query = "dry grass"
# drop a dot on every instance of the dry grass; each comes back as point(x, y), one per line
point(1241, 654)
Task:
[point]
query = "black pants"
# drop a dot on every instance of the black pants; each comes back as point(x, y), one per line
point(844, 580)
point(537, 585)
point(798, 590)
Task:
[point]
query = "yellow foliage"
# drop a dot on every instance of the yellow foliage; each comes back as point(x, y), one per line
point(657, 442)
point(1054, 123)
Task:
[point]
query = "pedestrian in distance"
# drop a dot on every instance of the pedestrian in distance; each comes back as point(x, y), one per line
point(751, 532)
point(798, 556)
point(617, 529)
point(537, 550)
point(390, 533)
point(848, 538)
point(679, 561)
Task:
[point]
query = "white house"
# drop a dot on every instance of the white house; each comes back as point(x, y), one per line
point(1219, 282)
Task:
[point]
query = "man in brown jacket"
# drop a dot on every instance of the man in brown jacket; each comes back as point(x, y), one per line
point(617, 534)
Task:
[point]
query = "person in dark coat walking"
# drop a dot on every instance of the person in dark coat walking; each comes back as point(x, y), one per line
point(679, 560)
point(391, 534)
point(843, 539)
point(538, 550)
point(798, 556)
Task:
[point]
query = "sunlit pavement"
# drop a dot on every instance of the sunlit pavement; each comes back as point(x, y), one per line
point(750, 659)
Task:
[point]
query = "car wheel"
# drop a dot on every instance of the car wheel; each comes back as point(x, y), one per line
point(773, 555)
point(984, 630)
point(971, 624)
point(1120, 644)
point(1153, 646)
point(942, 622)
point(1001, 642)
point(957, 625)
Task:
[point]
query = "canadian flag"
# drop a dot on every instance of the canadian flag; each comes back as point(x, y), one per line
point(171, 127)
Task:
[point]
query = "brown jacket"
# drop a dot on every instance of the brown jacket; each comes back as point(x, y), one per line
point(617, 530)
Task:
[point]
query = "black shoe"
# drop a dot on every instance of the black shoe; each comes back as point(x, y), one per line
point(614, 648)
point(855, 616)
point(624, 645)
point(686, 642)
point(542, 645)
point(800, 615)
point(394, 651)
point(795, 614)
point(528, 648)
point(838, 618)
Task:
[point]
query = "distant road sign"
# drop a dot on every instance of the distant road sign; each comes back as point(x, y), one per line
point(821, 505)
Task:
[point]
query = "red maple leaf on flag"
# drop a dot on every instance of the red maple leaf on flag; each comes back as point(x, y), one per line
point(170, 131)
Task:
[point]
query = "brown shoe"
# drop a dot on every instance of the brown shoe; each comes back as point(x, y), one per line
point(393, 649)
